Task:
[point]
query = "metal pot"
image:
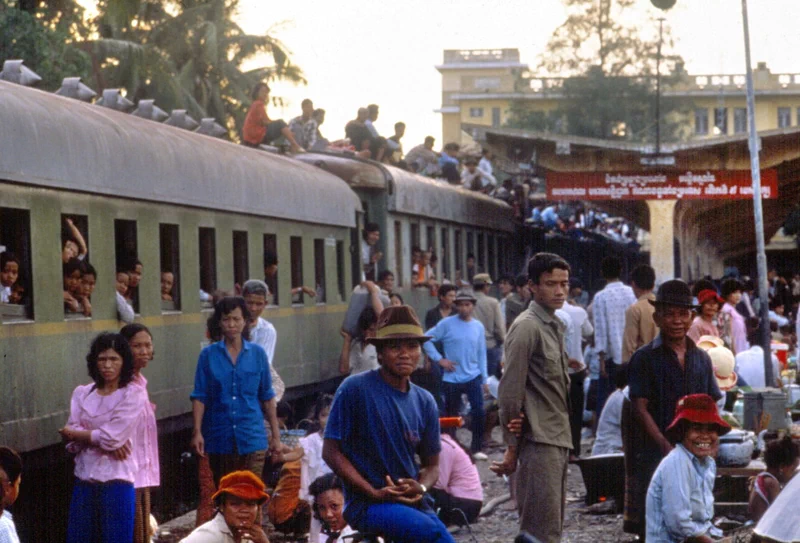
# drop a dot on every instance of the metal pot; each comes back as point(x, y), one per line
point(736, 448)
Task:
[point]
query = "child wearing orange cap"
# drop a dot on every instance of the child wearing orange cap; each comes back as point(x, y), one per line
point(238, 501)
point(680, 500)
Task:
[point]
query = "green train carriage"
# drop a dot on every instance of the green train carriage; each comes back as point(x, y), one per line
point(205, 209)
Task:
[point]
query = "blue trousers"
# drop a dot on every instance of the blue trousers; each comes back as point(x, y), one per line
point(493, 358)
point(101, 512)
point(452, 402)
point(403, 524)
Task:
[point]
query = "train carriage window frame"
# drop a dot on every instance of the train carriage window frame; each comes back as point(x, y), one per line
point(68, 235)
point(126, 253)
point(15, 238)
point(445, 252)
point(319, 272)
point(296, 269)
point(460, 263)
point(169, 249)
point(207, 245)
point(398, 253)
point(480, 254)
point(491, 249)
point(241, 257)
point(340, 269)
point(270, 244)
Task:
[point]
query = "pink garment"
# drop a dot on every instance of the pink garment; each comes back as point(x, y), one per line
point(458, 476)
point(738, 329)
point(701, 327)
point(145, 442)
point(113, 421)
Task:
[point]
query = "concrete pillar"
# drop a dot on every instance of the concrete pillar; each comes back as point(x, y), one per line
point(662, 238)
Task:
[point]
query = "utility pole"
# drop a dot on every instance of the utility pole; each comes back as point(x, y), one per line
point(755, 169)
point(658, 85)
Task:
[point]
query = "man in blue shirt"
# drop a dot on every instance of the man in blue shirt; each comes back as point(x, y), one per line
point(464, 362)
point(378, 422)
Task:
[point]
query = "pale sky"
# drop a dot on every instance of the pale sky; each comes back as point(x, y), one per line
point(359, 52)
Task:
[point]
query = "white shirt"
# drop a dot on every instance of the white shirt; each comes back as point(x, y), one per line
point(124, 309)
point(485, 165)
point(311, 465)
point(8, 532)
point(750, 366)
point(780, 320)
point(362, 360)
point(264, 335)
point(322, 538)
point(609, 318)
point(5, 293)
point(215, 530)
point(609, 429)
point(583, 329)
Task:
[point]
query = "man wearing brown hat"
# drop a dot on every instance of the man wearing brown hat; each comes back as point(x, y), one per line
point(661, 372)
point(378, 422)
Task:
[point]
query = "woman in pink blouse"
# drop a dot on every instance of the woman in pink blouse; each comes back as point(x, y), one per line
point(458, 492)
point(103, 420)
point(732, 294)
point(145, 443)
point(703, 324)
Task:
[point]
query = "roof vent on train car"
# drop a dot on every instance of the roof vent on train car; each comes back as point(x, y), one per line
point(113, 99)
point(71, 87)
point(210, 127)
point(147, 109)
point(15, 72)
point(181, 119)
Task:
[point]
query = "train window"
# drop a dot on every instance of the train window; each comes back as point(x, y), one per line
point(340, 268)
point(78, 279)
point(415, 240)
point(445, 266)
point(241, 264)
point(126, 252)
point(170, 267)
point(430, 238)
point(319, 270)
point(271, 266)
point(398, 253)
point(296, 249)
point(470, 244)
point(16, 278)
point(492, 255)
point(481, 264)
point(459, 258)
point(208, 265)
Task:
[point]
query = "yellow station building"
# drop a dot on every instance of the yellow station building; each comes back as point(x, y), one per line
point(479, 87)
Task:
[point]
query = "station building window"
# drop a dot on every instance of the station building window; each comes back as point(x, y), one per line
point(720, 120)
point(740, 120)
point(16, 277)
point(784, 117)
point(319, 271)
point(701, 121)
point(168, 238)
point(127, 260)
point(340, 269)
point(398, 252)
point(271, 266)
point(79, 278)
point(296, 255)
point(496, 117)
point(476, 112)
point(798, 116)
point(208, 265)
point(241, 261)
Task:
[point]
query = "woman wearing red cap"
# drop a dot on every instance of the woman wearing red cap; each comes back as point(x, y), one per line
point(703, 324)
point(238, 501)
point(680, 500)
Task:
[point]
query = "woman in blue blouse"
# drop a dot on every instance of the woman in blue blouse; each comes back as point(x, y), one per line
point(232, 396)
point(680, 500)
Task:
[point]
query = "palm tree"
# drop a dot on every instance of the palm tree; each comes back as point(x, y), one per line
point(187, 55)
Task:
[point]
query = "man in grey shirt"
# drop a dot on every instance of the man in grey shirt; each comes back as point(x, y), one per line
point(487, 311)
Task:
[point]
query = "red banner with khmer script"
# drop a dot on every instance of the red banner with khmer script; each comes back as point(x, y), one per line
point(694, 185)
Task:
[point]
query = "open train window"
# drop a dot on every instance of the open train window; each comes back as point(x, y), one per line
point(241, 263)
point(319, 270)
point(208, 265)
point(430, 238)
point(490, 242)
point(271, 266)
point(16, 278)
point(340, 269)
point(398, 252)
point(481, 260)
point(79, 278)
point(459, 265)
point(296, 255)
point(127, 260)
point(445, 252)
point(170, 267)
point(470, 244)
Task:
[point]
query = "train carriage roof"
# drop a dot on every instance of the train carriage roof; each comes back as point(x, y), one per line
point(52, 141)
point(418, 195)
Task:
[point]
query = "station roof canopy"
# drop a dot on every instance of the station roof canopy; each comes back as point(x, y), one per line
point(728, 224)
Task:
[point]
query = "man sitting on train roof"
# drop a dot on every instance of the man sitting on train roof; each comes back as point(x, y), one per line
point(422, 159)
point(305, 127)
point(448, 163)
point(258, 128)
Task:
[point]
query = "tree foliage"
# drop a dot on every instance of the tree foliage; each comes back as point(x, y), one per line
point(609, 68)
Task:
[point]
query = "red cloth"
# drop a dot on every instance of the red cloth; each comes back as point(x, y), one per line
point(255, 127)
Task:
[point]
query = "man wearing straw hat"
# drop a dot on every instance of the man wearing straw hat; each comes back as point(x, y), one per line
point(661, 373)
point(378, 422)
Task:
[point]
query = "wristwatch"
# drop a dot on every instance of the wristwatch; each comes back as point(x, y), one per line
point(424, 488)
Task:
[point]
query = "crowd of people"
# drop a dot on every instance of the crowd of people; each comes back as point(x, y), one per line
point(575, 218)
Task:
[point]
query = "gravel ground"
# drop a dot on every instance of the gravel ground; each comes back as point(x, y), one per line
point(499, 526)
